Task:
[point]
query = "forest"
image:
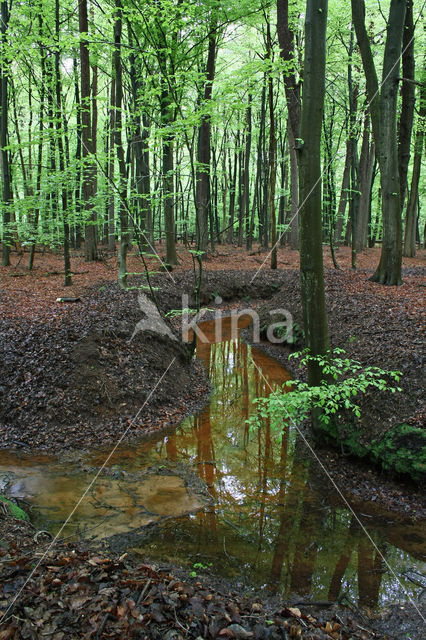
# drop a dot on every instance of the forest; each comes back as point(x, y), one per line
point(211, 331)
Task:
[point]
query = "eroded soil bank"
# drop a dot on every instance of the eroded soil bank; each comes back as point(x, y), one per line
point(77, 367)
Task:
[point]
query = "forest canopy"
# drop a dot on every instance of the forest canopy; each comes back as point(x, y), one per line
point(178, 121)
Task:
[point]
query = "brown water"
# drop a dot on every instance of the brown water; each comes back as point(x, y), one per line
point(267, 519)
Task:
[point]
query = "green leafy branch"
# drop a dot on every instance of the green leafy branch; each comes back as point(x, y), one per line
point(344, 379)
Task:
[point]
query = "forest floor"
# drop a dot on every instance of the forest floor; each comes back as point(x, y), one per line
point(76, 366)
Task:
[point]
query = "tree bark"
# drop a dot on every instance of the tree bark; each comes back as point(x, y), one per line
point(408, 99)
point(286, 40)
point(383, 110)
point(343, 197)
point(272, 155)
point(59, 130)
point(7, 198)
point(89, 168)
point(311, 256)
point(410, 222)
point(366, 170)
point(123, 205)
point(203, 196)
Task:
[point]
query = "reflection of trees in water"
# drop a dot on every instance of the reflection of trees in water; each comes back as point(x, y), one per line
point(350, 541)
point(370, 571)
point(273, 522)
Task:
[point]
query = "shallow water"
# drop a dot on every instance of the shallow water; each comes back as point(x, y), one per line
point(268, 518)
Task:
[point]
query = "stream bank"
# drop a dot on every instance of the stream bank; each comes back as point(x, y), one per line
point(287, 619)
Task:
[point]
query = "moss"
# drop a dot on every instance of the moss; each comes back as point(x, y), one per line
point(13, 509)
point(402, 450)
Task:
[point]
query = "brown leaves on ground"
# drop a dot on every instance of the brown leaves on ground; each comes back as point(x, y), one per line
point(68, 593)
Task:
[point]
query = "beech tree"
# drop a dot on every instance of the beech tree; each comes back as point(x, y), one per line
point(286, 38)
point(7, 198)
point(383, 109)
point(311, 257)
point(87, 138)
point(196, 109)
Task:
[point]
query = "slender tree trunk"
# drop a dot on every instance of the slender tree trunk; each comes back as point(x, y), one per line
point(111, 170)
point(407, 101)
point(203, 195)
point(246, 178)
point(224, 187)
point(89, 168)
point(286, 38)
point(143, 228)
point(240, 194)
point(412, 207)
point(354, 191)
point(40, 144)
point(311, 257)
point(78, 157)
point(260, 165)
point(272, 156)
point(233, 191)
point(366, 169)
point(343, 197)
point(167, 118)
point(282, 208)
point(7, 198)
point(123, 205)
point(59, 131)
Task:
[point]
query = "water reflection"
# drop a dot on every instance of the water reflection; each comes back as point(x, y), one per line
point(272, 521)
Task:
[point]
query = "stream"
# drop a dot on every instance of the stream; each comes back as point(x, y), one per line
point(215, 497)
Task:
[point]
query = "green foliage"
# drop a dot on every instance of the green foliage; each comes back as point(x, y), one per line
point(13, 509)
point(200, 565)
point(343, 380)
point(401, 450)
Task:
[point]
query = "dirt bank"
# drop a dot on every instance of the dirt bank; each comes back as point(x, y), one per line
point(73, 376)
point(375, 331)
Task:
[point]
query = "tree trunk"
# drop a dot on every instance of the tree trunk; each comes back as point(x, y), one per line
point(311, 257)
point(40, 146)
point(354, 166)
point(343, 197)
point(246, 178)
point(89, 168)
point(292, 90)
point(140, 129)
point(124, 218)
point(232, 194)
point(78, 155)
point(407, 101)
point(366, 170)
point(272, 155)
point(412, 207)
point(111, 167)
point(383, 110)
point(59, 121)
point(7, 198)
point(202, 197)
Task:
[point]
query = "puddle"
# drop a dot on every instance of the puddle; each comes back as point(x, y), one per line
point(271, 521)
